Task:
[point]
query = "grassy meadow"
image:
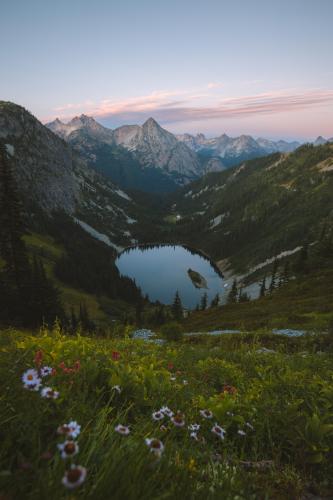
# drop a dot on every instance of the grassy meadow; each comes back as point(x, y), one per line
point(261, 407)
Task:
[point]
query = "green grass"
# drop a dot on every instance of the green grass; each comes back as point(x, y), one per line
point(287, 397)
point(304, 303)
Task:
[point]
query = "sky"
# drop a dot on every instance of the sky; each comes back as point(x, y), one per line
point(259, 67)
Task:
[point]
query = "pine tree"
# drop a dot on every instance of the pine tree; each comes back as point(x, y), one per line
point(263, 287)
point(177, 307)
point(301, 263)
point(203, 302)
point(232, 297)
point(15, 274)
point(272, 285)
point(215, 301)
point(12, 246)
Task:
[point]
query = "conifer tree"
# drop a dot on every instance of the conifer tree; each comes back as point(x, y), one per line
point(263, 287)
point(15, 273)
point(272, 285)
point(232, 297)
point(203, 303)
point(177, 307)
point(215, 301)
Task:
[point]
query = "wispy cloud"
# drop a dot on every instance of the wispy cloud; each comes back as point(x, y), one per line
point(201, 105)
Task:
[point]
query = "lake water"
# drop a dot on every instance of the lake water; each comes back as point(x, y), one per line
point(162, 270)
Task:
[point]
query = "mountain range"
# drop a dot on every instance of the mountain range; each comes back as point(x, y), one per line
point(150, 158)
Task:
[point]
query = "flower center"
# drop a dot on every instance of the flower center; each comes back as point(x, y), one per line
point(70, 448)
point(73, 475)
point(30, 377)
point(155, 444)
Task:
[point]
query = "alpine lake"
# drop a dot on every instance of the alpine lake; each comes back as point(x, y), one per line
point(161, 270)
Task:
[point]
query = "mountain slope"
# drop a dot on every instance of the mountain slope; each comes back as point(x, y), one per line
point(265, 208)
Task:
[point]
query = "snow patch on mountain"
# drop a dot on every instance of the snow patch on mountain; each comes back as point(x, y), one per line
point(97, 235)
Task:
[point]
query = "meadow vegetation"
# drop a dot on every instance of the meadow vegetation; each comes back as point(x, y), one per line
point(243, 416)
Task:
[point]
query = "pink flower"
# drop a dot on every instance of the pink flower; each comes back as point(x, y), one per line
point(38, 358)
point(115, 355)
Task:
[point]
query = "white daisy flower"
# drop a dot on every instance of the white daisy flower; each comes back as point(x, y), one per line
point(32, 387)
point(219, 431)
point(157, 415)
point(117, 388)
point(194, 427)
point(68, 449)
point(206, 413)
point(194, 435)
point(49, 393)
point(166, 411)
point(250, 426)
point(45, 371)
point(178, 420)
point(122, 429)
point(30, 377)
point(72, 429)
point(74, 477)
point(156, 446)
point(241, 433)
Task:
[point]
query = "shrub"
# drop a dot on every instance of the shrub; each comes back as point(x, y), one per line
point(172, 331)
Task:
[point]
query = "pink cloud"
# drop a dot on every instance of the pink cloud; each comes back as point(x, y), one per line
point(171, 107)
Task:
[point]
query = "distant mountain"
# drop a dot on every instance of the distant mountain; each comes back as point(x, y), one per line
point(321, 140)
point(143, 157)
point(52, 177)
point(233, 150)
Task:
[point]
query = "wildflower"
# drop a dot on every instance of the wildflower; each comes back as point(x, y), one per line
point(30, 377)
point(250, 426)
point(219, 431)
point(157, 415)
point(194, 427)
point(194, 435)
point(166, 411)
point(241, 433)
point(230, 414)
point(49, 393)
point(170, 366)
point(163, 428)
point(33, 387)
point(74, 477)
point(62, 365)
point(117, 388)
point(38, 358)
point(185, 382)
point(46, 371)
point(72, 429)
point(68, 449)
point(206, 413)
point(230, 389)
point(178, 420)
point(115, 355)
point(77, 365)
point(173, 379)
point(122, 429)
point(156, 446)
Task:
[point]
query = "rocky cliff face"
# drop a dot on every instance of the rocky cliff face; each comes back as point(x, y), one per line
point(52, 176)
point(156, 147)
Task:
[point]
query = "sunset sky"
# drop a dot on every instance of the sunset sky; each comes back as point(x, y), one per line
point(259, 67)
